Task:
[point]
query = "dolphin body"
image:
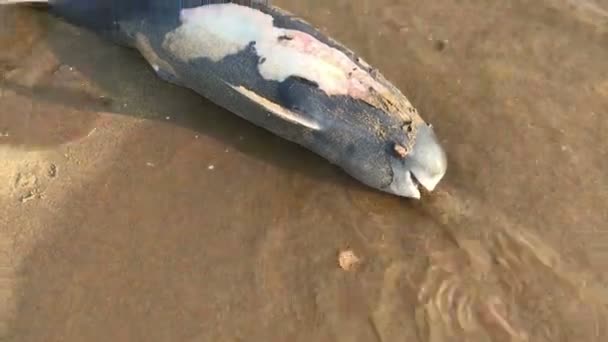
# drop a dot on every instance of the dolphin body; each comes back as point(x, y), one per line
point(280, 73)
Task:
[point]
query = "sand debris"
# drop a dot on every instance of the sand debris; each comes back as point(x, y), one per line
point(347, 260)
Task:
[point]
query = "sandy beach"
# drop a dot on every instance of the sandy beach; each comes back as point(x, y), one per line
point(135, 210)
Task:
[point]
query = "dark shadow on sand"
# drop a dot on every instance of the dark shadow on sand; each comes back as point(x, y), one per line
point(131, 88)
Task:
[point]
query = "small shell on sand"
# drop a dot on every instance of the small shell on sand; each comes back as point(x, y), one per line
point(348, 260)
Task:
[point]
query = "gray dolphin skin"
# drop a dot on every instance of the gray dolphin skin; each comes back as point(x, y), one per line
point(280, 73)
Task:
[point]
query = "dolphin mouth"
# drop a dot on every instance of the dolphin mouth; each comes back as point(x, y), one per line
point(415, 180)
point(425, 180)
point(422, 168)
point(412, 186)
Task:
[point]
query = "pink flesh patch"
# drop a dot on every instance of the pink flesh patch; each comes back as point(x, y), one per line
point(217, 31)
point(359, 81)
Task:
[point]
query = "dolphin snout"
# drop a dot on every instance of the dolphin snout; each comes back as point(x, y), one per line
point(424, 165)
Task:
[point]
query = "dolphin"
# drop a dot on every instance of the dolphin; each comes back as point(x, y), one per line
point(280, 73)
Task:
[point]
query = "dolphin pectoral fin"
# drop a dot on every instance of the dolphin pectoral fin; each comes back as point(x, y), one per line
point(161, 67)
point(168, 76)
point(27, 2)
point(249, 3)
point(277, 109)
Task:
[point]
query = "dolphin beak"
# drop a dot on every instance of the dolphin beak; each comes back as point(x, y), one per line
point(424, 165)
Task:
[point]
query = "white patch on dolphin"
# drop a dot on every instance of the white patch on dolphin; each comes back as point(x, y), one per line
point(220, 30)
point(277, 109)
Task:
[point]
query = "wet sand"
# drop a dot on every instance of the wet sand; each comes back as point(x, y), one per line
point(133, 210)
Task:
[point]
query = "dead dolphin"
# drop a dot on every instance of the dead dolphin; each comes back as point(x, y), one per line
point(280, 73)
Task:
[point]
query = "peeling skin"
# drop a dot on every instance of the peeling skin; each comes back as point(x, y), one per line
point(400, 150)
point(277, 109)
point(220, 30)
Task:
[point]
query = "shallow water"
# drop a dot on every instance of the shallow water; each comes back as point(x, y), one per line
point(136, 210)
